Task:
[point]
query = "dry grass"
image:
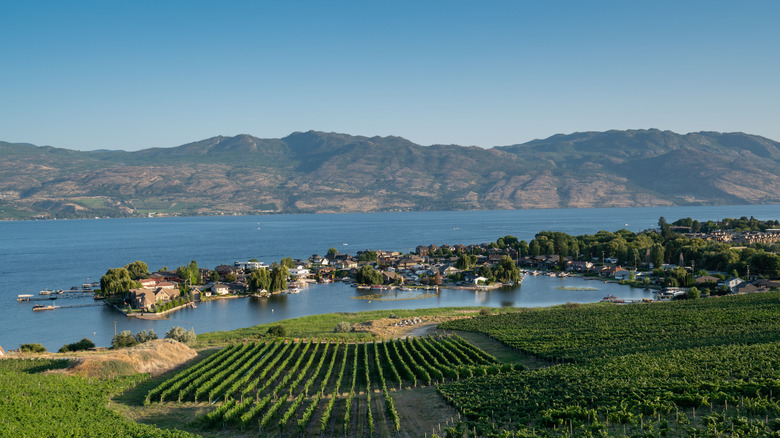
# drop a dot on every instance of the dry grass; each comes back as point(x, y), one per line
point(154, 357)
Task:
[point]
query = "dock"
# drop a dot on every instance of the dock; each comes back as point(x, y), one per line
point(39, 307)
point(30, 297)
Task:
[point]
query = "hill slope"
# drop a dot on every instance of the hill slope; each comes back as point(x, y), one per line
point(329, 172)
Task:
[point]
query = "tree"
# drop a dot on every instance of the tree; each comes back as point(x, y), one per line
point(507, 270)
point(466, 261)
point(146, 336)
point(229, 277)
point(277, 331)
point(279, 276)
point(693, 294)
point(84, 344)
point(32, 348)
point(259, 279)
point(190, 273)
point(214, 276)
point(179, 334)
point(657, 255)
point(368, 275)
point(117, 281)
point(124, 339)
point(332, 251)
point(287, 262)
point(367, 256)
point(137, 270)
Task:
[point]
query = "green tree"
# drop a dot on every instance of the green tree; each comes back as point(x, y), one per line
point(146, 336)
point(693, 294)
point(332, 251)
point(214, 276)
point(368, 275)
point(507, 270)
point(189, 273)
point(466, 261)
point(368, 256)
point(32, 348)
point(277, 331)
point(124, 339)
point(84, 344)
point(117, 281)
point(279, 276)
point(137, 270)
point(287, 262)
point(259, 279)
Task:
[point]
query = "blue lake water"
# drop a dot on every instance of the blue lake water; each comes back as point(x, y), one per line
point(36, 255)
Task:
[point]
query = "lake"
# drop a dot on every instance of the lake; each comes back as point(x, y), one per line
point(38, 255)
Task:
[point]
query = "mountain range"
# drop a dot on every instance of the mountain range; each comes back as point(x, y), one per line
point(318, 172)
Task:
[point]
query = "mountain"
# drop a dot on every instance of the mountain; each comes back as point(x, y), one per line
point(329, 172)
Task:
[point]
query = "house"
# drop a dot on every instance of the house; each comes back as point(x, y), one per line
point(706, 279)
point(732, 283)
point(250, 265)
point(299, 272)
point(392, 277)
point(622, 273)
point(578, 266)
point(144, 298)
point(220, 289)
point(225, 270)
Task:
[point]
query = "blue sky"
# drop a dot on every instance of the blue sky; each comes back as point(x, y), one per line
point(132, 75)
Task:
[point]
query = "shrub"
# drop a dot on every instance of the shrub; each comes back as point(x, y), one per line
point(277, 330)
point(123, 339)
point(485, 311)
point(146, 335)
point(32, 348)
point(343, 327)
point(179, 334)
point(84, 344)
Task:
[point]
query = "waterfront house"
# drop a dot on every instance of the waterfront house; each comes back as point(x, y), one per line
point(220, 289)
point(145, 298)
point(299, 272)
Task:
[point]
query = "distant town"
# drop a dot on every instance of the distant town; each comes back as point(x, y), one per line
point(682, 260)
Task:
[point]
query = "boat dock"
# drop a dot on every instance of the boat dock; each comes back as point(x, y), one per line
point(39, 307)
point(30, 297)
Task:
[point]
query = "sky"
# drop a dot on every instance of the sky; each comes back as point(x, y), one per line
point(138, 74)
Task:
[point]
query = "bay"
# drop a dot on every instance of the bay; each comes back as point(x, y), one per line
point(36, 255)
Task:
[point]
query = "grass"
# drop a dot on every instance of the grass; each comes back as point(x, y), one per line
point(321, 326)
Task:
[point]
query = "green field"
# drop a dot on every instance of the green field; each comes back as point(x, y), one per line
point(310, 388)
point(694, 368)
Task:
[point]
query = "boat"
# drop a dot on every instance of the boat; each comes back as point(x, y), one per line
point(38, 307)
point(45, 292)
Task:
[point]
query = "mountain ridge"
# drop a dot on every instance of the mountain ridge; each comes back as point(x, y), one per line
point(319, 172)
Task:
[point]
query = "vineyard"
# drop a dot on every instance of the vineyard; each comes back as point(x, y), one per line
point(578, 334)
point(309, 387)
point(42, 405)
point(693, 368)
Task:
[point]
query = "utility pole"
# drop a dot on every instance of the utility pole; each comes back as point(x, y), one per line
point(114, 328)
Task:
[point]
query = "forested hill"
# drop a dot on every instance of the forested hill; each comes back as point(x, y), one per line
point(329, 172)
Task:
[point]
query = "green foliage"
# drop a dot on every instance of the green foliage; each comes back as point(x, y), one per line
point(693, 294)
point(137, 270)
point(146, 336)
point(117, 281)
point(279, 276)
point(43, 405)
point(287, 262)
point(189, 273)
point(123, 340)
point(367, 256)
point(179, 334)
point(368, 275)
point(507, 270)
point(277, 331)
point(214, 276)
point(84, 344)
point(259, 279)
point(32, 348)
point(602, 330)
point(343, 327)
point(332, 251)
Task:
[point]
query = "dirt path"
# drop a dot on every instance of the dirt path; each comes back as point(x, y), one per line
point(392, 328)
point(422, 411)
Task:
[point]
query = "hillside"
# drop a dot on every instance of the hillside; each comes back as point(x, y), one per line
point(328, 172)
